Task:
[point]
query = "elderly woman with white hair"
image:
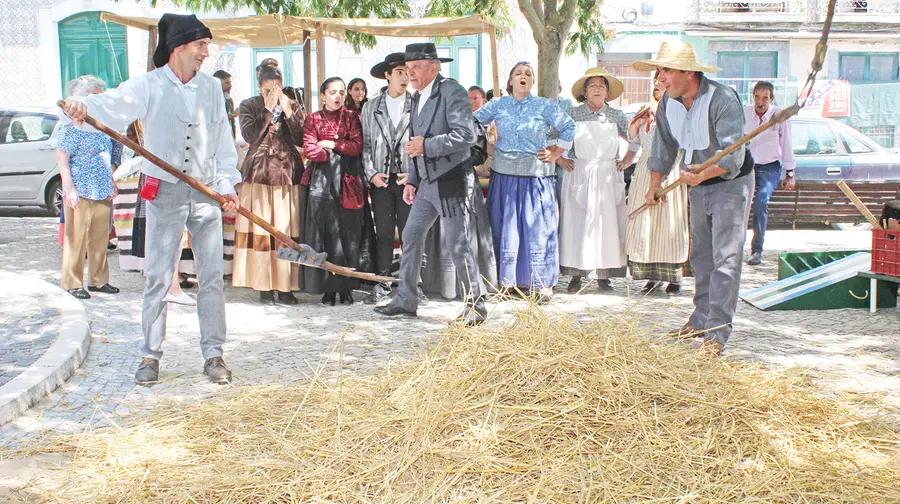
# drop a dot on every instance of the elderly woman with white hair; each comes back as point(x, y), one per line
point(86, 164)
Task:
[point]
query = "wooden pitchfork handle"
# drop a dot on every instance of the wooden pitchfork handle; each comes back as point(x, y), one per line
point(781, 116)
point(187, 179)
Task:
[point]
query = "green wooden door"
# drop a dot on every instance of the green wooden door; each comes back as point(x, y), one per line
point(88, 46)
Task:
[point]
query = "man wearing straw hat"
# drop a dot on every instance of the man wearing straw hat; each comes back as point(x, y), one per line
point(185, 124)
point(702, 116)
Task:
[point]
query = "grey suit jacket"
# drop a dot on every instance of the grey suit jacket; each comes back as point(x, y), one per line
point(447, 124)
point(380, 137)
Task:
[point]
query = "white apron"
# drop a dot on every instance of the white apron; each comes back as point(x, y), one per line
point(593, 214)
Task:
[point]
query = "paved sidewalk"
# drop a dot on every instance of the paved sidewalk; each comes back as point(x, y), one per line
point(26, 332)
point(848, 349)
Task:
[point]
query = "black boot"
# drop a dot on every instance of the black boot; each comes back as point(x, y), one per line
point(286, 298)
point(574, 285)
point(604, 285)
point(267, 297)
point(651, 286)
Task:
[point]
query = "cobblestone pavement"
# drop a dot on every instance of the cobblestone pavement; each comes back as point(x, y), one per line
point(27, 328)
point(847, 349)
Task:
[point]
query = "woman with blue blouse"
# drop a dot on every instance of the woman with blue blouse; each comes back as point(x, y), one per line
point(522, 196)
point(87, 160)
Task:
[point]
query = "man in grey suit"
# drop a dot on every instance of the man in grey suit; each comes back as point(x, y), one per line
point(441, 184)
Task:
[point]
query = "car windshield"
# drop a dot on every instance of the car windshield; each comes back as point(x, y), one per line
point(811, 139)
point(855, 144)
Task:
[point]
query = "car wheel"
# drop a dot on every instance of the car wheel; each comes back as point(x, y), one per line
point(851, 226)
point(54, 199)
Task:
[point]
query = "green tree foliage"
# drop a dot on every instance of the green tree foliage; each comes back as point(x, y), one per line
point(551, 21)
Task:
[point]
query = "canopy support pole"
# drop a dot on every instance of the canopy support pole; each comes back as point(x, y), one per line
point(307, 72)
point(493, 35)
point(320, 56)
point(151, 47)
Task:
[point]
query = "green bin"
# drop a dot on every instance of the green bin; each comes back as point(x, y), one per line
point(849, 293)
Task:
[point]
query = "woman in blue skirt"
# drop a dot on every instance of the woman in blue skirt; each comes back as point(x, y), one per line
point(522, 196)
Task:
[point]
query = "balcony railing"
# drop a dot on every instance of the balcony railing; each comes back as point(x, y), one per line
point(862, 7)
point(752, 6)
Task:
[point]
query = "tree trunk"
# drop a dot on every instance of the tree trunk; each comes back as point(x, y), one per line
point(550, 25)
point(548, 66)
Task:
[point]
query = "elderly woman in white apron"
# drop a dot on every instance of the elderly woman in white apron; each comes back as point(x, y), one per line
point(593, 213)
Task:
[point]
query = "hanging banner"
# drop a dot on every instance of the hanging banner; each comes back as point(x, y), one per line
point(829, 98)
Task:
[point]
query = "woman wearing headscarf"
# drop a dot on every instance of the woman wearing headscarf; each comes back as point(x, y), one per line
point(657, 241)
point(86, 161)
point(592, 220)
point(272, 124)
point(357, 95)
point(521, 196)
point(335, 208)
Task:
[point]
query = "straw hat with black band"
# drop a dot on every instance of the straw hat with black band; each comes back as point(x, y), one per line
point(176, 30)
point(676, 55)
point(616, 88)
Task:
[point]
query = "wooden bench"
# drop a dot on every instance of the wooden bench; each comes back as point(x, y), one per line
point(823, 202)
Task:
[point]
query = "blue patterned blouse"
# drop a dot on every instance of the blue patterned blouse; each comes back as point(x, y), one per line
point(522, 126)
point(91, 158)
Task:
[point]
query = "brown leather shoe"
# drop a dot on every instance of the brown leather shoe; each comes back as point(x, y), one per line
point(217, 371)
point(148, 372)
point(709, 346)
point(687, 331)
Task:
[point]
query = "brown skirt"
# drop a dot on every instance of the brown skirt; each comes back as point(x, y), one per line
point(255, 265)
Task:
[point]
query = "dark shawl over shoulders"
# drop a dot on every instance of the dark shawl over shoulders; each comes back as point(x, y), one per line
point(273, 158)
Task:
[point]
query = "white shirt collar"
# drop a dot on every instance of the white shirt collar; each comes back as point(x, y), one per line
point(691, 127)
point(395, 107)
point(425, 94)
point(174, 78)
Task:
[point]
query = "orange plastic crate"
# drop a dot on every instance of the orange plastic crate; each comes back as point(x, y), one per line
point(886, 252)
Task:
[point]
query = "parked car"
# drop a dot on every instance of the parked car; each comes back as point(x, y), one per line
point(827, 151)
point(29, 175)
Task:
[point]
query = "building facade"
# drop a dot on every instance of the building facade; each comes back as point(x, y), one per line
point(772, 40)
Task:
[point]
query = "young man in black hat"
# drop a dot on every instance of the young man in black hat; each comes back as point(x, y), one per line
point(185, 124)
point(385, 126)
point(441, 184)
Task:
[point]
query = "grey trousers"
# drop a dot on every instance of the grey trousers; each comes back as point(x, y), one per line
point(457, 235)
point(177, 206)
point(718, 221)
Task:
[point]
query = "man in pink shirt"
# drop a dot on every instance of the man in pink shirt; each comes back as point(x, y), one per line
point(774, 160)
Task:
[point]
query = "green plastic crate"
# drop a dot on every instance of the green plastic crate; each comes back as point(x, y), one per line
point(842, 294)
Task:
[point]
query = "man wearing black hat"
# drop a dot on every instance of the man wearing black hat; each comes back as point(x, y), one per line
point(185, 124)
point(441, 184)
point(385, 126)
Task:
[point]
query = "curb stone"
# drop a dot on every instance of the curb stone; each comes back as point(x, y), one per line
point(63, 357)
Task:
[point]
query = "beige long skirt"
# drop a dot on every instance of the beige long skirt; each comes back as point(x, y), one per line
point(255, 265)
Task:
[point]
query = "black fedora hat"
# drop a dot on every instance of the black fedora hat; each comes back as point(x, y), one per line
point(423, 51)
point(391, 61)
point(176, 30)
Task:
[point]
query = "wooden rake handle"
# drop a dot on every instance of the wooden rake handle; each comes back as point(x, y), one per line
point(859, 204)
point(187, 179)
point(781, 116)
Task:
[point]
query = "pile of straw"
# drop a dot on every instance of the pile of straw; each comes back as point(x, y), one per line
point(542, 410)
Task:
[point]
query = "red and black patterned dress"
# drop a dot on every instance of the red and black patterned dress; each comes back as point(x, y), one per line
point(347, 236)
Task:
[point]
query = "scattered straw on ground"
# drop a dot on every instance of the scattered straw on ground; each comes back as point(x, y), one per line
point(543, 410)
